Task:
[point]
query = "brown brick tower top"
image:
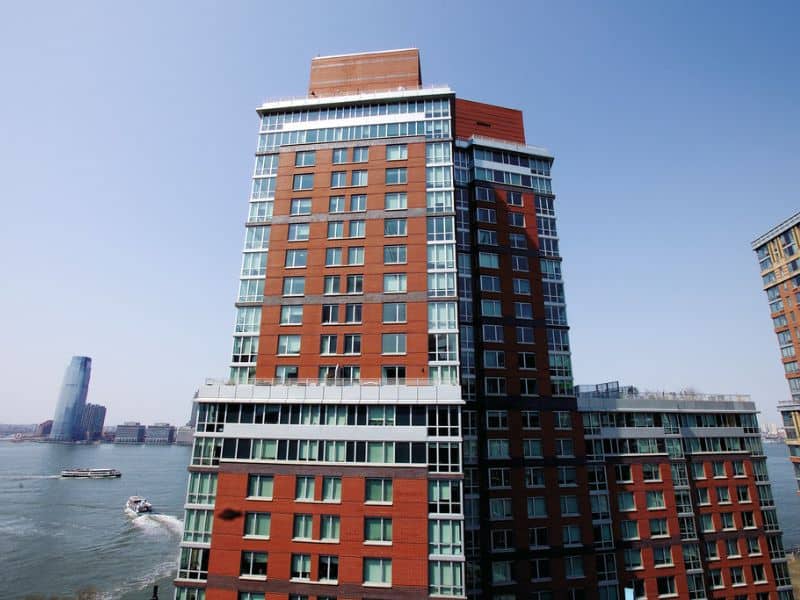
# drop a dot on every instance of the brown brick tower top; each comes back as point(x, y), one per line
point(365, 72)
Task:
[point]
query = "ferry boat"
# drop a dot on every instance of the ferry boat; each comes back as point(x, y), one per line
point(137, 504)
point(91, 473)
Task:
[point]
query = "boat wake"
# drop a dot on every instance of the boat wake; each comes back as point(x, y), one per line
point(155, 523)
point(142, 582)
point(22, 477)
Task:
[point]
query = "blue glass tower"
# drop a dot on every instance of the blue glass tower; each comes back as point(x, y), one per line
point(72, 401)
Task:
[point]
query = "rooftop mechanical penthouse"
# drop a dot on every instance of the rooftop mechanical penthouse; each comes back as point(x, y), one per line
point(399, 419)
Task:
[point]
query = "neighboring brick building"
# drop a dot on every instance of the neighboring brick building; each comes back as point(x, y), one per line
point(680, 491)
point(778, 253)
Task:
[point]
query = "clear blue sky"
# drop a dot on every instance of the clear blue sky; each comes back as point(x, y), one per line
point(127, 133)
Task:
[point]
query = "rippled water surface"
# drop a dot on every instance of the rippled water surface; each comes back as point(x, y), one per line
point(58, 536)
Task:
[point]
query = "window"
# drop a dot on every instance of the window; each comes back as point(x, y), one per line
point(488, 260)
point(327, 344)
point(626, 501)
point(396, 176)
point(285, 372)
point(518, 241)
point(633, 558)
point(300, 206)
point(537, 507)
point(304, 488)
point(394, 227)
point(331, 284)
point(378, 571)
point(516, 219)
point(483, 194)
point(296, 259)
point(532, 448)
point(355, 284)
point(502, 540)
point(486, 215)
point(525, 335)
point(331, 489)
point(502, 573)
point(393, 374)
point(718, 468)
point(527, 361)
point(394, 312)
point(716, 578)
point(329, 528)
point(378, 490)
point(655, 500)
point(301, 530)
point(658, 528)
point(292, 314)
point(629, 530)
point(358, 178)
point(522, 287)
point(487, 237)
point(666, 586)
point(394, 255)
point(254, 564)
point(519, 263)
point(500, 509)
point(358, 228)
point(352, 344)
point(336, 204)
point(304, 158)
point(726, 519)
point(489, 283)
point(358, 203)
point(737, 576)
point(288, 344)
point(567, 476)
point(499, 478)
point(339, 156)
point(328, 568)
point(397, 152)
point(497, 448)
point(303, 182)
point(514, 198)
point(573, 566)
point(698, 471)
point(338, 179)
point(702, 496)
point(494, 359)
point(333, 257)
point(361, 154)
point(335, 229)
point(496, 419)
point(394, 283)
point(301, 566)
point(571, 534)
point(494, 386)
point(651, 472)
point(377, 529)
point(330, 313)
point(352, 313)
point(355, 255)
point(395, 201)
point(569, 506)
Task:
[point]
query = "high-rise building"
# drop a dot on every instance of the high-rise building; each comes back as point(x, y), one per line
point(680, 495)
point(400, 284)
point(72, 401)
point(92, 421)
point(778, 253)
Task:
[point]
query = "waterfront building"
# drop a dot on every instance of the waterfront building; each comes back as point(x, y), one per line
point(680, 494)
point(130, 432)
point(778, 253)
point(400, 285)
point(72, 401)
point(44, 428)
point(159, 434)
point(184, 435)
point(92, 421)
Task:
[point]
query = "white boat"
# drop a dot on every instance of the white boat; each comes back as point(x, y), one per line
point(138, 505)
point(91, 473)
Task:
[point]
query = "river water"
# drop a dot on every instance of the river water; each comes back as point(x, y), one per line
point(60, 536)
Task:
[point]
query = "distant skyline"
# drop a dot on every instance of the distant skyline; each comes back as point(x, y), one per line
point(129, 133)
